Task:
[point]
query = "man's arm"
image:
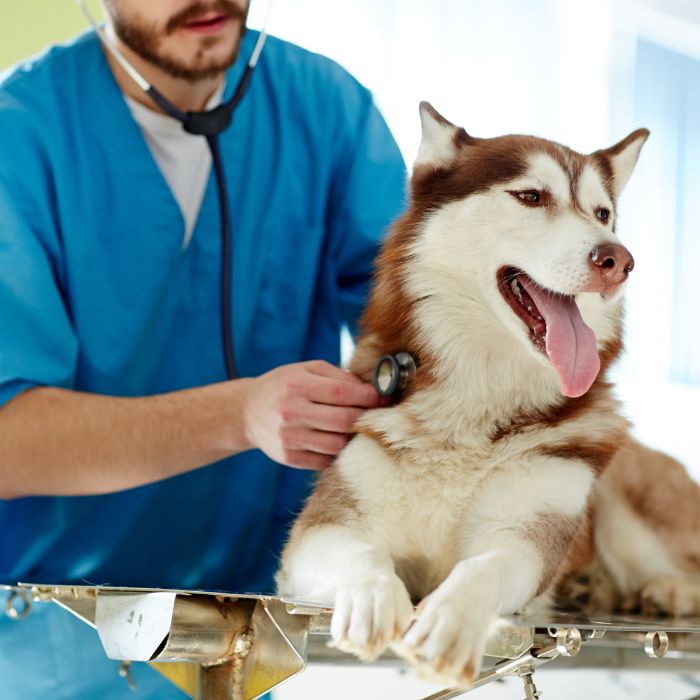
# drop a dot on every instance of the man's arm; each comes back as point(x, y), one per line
point(61, 442)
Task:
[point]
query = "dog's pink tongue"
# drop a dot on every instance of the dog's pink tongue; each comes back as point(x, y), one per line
point(570, 343)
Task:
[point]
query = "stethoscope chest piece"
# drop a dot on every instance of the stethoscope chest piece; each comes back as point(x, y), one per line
point(210, 123)
point(393, 373)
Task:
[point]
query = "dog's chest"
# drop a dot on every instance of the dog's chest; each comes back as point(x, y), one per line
point(415, 502)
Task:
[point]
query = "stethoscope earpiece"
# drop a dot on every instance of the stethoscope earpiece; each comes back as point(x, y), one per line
point(393, 373)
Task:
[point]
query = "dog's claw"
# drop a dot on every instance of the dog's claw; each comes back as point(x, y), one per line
point(370, 613)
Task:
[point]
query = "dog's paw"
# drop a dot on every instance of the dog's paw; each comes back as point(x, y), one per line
point(370, 613)
point(591, 591)
point(667, 595)
point(447, 641)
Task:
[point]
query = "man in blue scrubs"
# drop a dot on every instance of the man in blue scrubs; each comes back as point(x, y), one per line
point(126, 457)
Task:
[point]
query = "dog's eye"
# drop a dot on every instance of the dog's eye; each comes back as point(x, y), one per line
point(530, 197)
point(602, 214)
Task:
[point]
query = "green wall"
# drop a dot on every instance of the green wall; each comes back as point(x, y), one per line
point(28, 26)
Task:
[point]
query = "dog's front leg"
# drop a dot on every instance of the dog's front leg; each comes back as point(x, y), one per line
point(515, 535)
point(446, 643)
point(340, 566)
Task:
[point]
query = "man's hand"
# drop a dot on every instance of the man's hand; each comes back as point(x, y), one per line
point(302, 415)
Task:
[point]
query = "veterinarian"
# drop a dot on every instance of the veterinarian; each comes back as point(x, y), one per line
point(127, 457)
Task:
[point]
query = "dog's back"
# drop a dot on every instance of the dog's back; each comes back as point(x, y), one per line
point(639, 550)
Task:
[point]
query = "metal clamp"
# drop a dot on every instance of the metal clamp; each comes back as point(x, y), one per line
point(656, 644)
point(11, 609)
point(567, 639)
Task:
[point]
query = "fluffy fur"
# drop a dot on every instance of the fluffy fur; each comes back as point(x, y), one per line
point(466, 494)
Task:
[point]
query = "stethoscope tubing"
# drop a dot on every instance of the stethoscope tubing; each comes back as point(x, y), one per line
point(226, 288)
point(208, 124)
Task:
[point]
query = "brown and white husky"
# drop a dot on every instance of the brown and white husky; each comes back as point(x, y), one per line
point(503, 280)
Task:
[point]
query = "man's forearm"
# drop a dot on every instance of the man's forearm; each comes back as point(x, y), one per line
point(61, 442)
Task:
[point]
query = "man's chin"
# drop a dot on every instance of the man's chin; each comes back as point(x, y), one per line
point(203, 65)
point(206, 56)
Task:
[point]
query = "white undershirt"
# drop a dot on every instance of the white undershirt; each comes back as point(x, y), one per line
point(184, 159)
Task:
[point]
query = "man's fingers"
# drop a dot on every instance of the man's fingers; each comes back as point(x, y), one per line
point(320, 441)
point(334, 419)
point(339, 392)
point(303, 459)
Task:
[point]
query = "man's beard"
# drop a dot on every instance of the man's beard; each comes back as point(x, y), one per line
point(145, 41)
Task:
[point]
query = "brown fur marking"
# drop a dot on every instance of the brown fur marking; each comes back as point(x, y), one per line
point(552, 535)
point(378, 437)
point(597, 454)
point(582, 551)
point(331, 502)
point(414, 572)
point(568, 410)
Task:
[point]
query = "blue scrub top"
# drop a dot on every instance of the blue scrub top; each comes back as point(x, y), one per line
point(98, 295)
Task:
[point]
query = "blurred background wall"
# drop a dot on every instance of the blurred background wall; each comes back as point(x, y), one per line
point(28, 26)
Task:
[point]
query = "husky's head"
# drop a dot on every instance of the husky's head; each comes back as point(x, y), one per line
point(509, 243)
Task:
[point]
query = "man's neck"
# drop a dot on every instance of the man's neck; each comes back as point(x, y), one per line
point(185, 95)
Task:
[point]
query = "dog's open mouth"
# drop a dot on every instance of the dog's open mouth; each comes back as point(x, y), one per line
point(556, 328)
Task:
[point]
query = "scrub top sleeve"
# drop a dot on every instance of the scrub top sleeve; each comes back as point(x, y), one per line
point(370, 192)
point(37, 345)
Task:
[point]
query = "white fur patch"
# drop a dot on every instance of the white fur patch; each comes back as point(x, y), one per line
point(437, 146)
point(623, 163)
point(544, 173)
point(592, 194)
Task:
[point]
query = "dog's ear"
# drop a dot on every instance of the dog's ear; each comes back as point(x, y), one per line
point(622, 157)
point(441, 139)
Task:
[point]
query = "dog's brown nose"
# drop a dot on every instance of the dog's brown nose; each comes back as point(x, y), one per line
point(612, 262)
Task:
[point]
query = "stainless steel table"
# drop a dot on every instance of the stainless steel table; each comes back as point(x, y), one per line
point(224, 646)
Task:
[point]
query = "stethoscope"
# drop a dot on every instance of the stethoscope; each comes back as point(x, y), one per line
point(208, 124)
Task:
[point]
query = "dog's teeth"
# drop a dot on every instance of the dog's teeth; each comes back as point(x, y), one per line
point(516, 289)
point(529, 308)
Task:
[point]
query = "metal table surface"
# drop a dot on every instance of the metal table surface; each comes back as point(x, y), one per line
point(225, 646)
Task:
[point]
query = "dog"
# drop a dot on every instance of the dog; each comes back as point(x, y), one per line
point(471, 493)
